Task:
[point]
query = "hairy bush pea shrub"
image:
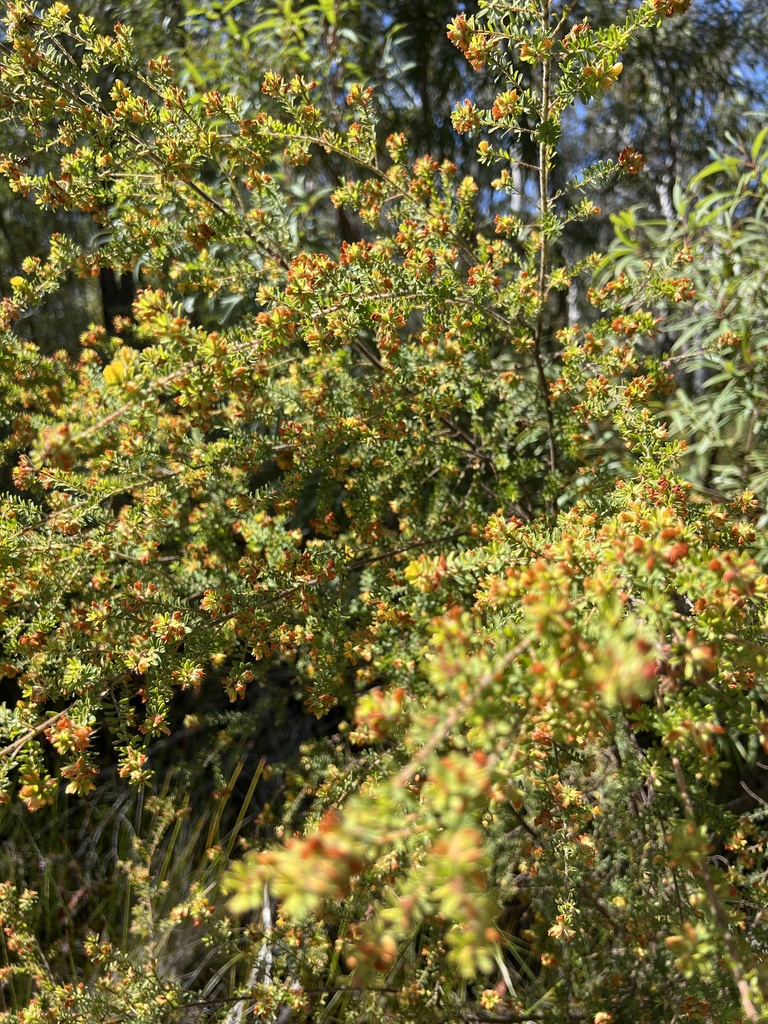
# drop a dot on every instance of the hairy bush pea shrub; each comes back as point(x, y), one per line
point(399, 472)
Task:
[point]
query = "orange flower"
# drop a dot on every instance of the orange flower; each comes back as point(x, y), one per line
point(631, 160)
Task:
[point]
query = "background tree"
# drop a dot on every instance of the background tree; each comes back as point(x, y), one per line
point(686, 86)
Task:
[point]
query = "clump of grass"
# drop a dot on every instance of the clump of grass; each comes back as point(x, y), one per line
point(112, 906)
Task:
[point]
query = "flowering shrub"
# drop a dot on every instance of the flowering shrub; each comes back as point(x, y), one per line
point(399, 472)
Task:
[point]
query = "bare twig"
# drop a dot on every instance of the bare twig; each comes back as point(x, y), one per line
point(263, 965)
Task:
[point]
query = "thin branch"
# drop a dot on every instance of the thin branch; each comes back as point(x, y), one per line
point(404, 776)
point(315, 990)
point(488, 1018)
point(360, 563)
point(717, 908)
point(13, 748)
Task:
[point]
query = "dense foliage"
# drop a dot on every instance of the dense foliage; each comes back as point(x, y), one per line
point(380, 641)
